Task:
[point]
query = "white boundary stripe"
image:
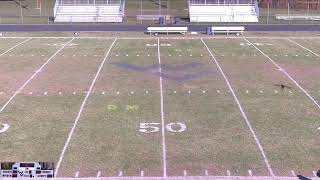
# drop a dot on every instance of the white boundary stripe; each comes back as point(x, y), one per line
point(77, 174)
point(14, 46)
point(303, 47)
point(293, 173)
point(206, 172)
point(81, 109)
point(314, 173)
point(228, 173)
point(242, 112)
point(99, 174)
point(34, 75)
point(164, 151)
point(288, 75)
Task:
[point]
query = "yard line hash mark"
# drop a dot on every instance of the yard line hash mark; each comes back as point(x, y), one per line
point(314, 173)
point(15, 46)
point(300, 45)
point(81, 109)
point(34, 75)
point(77, 174)
point(242, 111)
point(164, 153)
point(287, 74)
point(228, 173)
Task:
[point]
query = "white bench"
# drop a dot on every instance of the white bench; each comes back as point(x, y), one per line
point(227, 29)
point(152, 17)
point(154, 30)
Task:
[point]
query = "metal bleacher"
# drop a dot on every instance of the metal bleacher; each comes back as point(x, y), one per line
point(223, 11)
point(89, 10)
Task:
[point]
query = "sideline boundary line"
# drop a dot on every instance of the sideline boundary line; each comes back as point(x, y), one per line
point(81, 109)
point(303, 47)
point(34, 75)
point(242, 111)
point(15, 46)
point(184, 178)
point(164, 151)
point(287, 74)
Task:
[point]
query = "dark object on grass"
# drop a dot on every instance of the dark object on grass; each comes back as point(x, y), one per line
point(303, 178)
point(161, 21)
point(283, 86)
point(177, 20)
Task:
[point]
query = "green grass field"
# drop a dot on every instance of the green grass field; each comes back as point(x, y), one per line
point(177, 118)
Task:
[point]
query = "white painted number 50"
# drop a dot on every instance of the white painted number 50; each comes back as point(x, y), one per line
point(176, 127)
point(149, 127)
point(154, 127)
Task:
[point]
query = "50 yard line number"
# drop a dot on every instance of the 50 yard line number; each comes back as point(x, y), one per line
point(155, 127)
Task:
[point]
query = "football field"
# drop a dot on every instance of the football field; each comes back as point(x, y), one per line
point(162, 107)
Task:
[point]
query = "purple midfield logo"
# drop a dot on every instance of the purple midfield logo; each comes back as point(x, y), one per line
point(154, 70)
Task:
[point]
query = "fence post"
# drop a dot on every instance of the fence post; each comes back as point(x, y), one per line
point(268, 13)
point(21, 13)
point(289, 13)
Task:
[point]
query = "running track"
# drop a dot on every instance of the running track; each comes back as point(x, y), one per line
point(142, 28)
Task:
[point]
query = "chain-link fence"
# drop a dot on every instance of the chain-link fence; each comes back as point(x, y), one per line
point(41, 11)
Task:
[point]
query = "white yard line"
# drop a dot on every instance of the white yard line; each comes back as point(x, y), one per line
point(288, 75)
point(33, 75)
point(242, 112)
point(81, 109)
point(164, 148)
point(304, 47)
point(14, 46)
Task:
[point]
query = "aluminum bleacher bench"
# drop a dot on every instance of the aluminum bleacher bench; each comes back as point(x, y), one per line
point(152, 17)
point(167, 30)
point(227, 30)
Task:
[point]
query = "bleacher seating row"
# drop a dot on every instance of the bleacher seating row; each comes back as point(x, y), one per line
point(89, 13)
point(223, 13)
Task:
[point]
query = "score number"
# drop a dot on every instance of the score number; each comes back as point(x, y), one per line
point(155, 127)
